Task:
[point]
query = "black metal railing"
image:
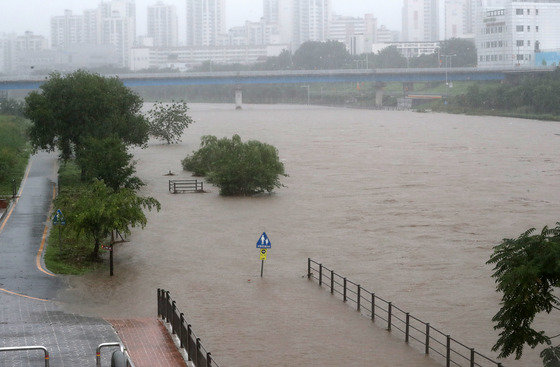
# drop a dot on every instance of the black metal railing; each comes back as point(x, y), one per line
point(414, 330)
point(188, 340)
point(177, 186)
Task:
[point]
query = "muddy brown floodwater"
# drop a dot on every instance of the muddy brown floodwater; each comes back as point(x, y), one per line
point(407, 204)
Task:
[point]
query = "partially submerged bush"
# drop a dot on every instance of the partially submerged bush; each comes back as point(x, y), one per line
point(237, 168)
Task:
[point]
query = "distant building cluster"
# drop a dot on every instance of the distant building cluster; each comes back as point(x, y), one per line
point(506, 33)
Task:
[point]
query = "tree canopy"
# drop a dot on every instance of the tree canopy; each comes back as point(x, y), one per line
point(99, 210)
point(237, 168)
point(169, 120)
point(463, 51)
point(321, 55)
point(70, 109)
point(526, 270)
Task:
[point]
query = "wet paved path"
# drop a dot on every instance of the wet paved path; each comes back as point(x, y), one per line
point(29, 314)
point(148, 342)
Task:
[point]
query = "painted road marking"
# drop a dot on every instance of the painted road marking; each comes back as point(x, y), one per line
point(40, 252)
point(23, 295)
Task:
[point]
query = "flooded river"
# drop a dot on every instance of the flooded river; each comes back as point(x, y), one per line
point(407, 204)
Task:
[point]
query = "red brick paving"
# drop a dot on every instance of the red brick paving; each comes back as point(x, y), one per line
point(148, 342)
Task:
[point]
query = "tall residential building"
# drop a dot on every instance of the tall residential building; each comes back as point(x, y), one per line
point(311, 21)
point(162, 25)
point(279, 14)
point(118, 27)
point(345, 29)
point(206, 22)
point(513, 34)
point(67, 30)
point(459, 19)
point(420, 20)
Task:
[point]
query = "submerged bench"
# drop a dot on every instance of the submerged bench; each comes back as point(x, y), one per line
point(180, 186)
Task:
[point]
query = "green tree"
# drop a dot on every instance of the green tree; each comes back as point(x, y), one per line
point(98, 210)
point(527, 270)
point(463, 49)
point(69, 109)
point(237, 168)
point(169, 120)
point(389, 57)
point(321, 55)
point(108, 160)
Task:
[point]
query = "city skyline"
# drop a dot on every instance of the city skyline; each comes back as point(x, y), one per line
point(23, 16)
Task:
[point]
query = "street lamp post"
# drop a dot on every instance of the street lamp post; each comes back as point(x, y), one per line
point(448, 63)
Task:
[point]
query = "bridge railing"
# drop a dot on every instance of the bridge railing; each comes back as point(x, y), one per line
point(188, 340)
point(415, 331)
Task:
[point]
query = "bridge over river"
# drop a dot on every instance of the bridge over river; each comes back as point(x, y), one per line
point(378, 76)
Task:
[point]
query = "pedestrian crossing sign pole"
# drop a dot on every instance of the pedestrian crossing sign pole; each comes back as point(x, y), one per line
point(263, 244)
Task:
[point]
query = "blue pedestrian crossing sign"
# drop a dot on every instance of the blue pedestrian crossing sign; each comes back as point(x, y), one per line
point(263, 241)
point(59, 218)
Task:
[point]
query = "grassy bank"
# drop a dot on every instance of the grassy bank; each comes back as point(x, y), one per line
point(440, 107)
point(70, 252)
point(14, 152)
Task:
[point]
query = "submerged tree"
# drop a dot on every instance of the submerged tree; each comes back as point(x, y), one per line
point(527, 270)
point(169, 120)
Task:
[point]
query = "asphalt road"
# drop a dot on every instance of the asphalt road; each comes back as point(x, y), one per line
point(22, 233)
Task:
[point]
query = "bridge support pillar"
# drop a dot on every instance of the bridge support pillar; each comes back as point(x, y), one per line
point(379, 90)
point(407, 88)
point(238, 98)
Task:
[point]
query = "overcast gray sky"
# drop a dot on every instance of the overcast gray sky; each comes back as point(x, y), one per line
point(34, 15)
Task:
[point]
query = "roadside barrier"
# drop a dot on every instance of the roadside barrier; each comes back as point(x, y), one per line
point(188, 340)
point(426, 336)
point(35, 347)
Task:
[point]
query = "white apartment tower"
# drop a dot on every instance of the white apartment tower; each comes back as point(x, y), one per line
point(66, 30)
point(459, 19)
point(279, 15)
point(420, 20)
point(118, 27)
point(163, 25)
point(311, 21)
point(206, 22)
point(511, 35)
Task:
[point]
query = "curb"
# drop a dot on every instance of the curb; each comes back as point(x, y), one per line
point(6, 211)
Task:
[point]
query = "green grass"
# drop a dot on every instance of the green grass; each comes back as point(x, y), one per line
point(75, 256)
point(14, 152)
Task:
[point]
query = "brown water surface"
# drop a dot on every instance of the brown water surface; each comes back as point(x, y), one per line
point(407, 204)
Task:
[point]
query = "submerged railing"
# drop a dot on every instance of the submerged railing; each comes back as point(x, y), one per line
point(188, 340)
point(413, 329)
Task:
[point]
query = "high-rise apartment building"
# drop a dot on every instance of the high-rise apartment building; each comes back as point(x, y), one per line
point(512, 35)
point(420, 20)
point(345, 29)
point(459, 19)
point(162, 25)
point(279, 15)
point(206, 22)
point(66, 30)
point(311, 21)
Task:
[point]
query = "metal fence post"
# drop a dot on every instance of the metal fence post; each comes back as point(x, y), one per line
point(389, 312)
point(182, 320)
point(332, 281)
point(189, 332)
point(373, 307)
point(448, 352)
point(308, 268)
point(407, 330)
point(173, 308)
point(344, 295)
point(359, 296)
point(158, 303)
point(427, 338)
point(167, 306)
point(472, 357)
point(320, 274)
point(197, 351)
point(208, 359)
